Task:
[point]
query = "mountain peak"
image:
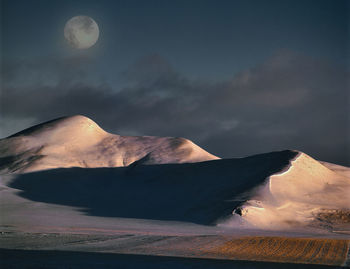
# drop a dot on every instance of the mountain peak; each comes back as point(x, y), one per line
point(70, 123)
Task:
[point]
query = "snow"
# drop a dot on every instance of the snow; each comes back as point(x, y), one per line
point(297, 196)
point(73, 169)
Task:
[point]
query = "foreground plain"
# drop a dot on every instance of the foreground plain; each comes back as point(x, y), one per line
point(266, 249)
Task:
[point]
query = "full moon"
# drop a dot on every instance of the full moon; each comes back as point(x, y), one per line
point(81, 32)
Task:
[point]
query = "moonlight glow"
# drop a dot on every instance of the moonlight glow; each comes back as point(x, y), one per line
point(81, 32)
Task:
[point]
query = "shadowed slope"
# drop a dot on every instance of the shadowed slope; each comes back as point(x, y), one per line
point(196, 192)
point(278, 190)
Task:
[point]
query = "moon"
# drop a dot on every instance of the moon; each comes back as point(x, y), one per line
point(81, 32)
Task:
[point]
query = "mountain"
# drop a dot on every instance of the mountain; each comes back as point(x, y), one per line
point(73, 162)
point(78, 141)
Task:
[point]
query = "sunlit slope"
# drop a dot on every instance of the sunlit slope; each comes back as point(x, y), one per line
point(339, 169)
point(79, 142)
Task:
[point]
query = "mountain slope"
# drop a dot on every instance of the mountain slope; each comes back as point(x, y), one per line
point(106, 175)
point(201, 192)
point(79, 142)
point(278, 190)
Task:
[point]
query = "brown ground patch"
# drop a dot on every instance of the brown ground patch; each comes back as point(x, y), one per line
point(334, 216)
point(281, 249)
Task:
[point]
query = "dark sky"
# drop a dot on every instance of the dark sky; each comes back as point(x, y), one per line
point(236, 77)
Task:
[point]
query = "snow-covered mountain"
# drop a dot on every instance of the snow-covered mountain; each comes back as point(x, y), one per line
point(74, 162)
point(78, 141)
point(305, 193)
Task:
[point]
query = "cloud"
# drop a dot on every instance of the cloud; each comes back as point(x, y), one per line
point(288, 101)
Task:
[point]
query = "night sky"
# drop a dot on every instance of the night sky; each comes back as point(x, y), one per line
point(236, 77)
